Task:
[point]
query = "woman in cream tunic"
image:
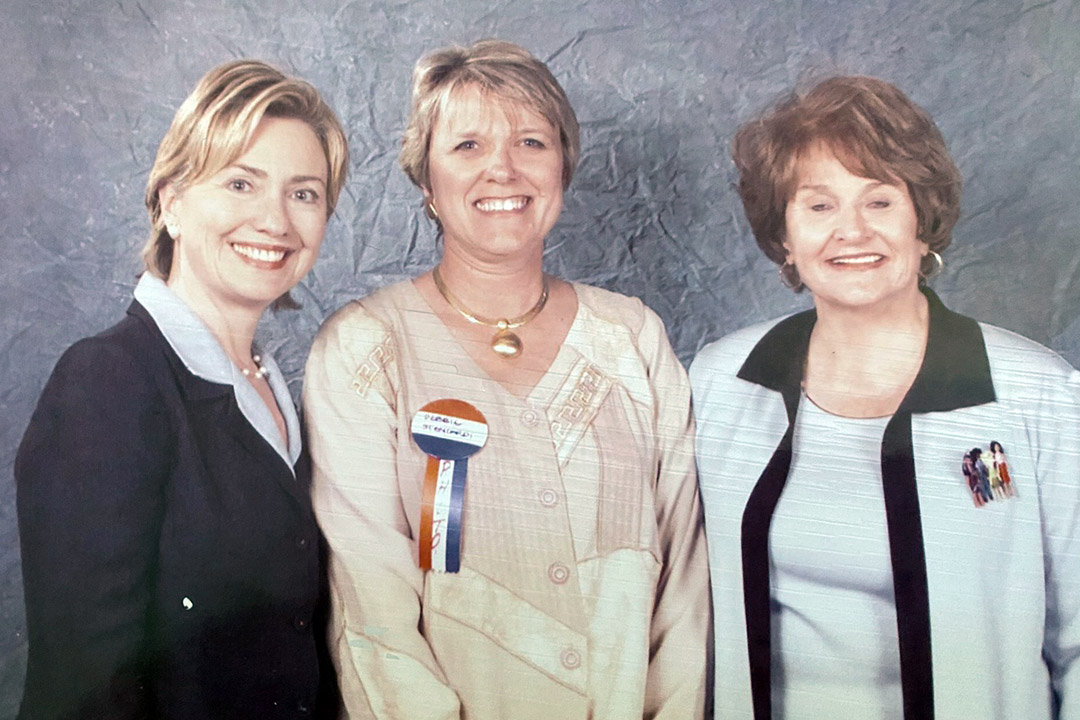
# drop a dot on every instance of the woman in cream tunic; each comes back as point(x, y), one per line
point(583, 587)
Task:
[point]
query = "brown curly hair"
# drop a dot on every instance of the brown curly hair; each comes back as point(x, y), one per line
point(873, 129)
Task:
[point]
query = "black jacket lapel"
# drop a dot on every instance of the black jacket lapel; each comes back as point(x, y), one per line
point(217, 411)
point(955, 373)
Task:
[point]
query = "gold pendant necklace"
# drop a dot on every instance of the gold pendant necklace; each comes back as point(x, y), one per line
point(504, 342)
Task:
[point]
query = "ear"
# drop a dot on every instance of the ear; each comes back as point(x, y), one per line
point(169, 200)
point(429, 205)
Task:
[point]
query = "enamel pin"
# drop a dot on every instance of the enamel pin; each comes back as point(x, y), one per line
point(449, 431)
point(987, 474)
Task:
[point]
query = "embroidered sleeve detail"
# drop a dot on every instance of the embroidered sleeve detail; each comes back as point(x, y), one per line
point(578, 408)
point(376, 362)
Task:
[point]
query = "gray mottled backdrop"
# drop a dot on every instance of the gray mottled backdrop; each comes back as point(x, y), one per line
point(89, 87)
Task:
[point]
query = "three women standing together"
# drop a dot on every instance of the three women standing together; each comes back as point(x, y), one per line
point(503, 462)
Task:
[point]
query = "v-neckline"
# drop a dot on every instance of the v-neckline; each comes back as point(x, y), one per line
point(543, 389)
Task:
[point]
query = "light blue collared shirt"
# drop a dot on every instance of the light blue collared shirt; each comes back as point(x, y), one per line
point(203, 356)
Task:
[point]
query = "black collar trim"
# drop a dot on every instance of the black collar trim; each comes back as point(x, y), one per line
point(195, 387)
point(955, 372)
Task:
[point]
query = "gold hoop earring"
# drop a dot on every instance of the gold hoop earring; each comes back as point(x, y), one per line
point(430, 210)
point(789, 276)
point(939, 265)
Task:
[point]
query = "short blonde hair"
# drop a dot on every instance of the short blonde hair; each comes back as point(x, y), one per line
point(214, 126)
point(502, 68)
point(873, 129)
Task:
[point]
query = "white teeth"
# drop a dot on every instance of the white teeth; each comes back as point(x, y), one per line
point(502, 204)
point(260, 254)
point(857, 260)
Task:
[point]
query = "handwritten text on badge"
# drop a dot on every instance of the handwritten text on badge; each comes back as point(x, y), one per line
point(439, 434)
point(448, 431)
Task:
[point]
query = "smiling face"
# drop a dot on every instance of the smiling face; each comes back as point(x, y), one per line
point(247, 234)
point(496, 176)
point(852, 239)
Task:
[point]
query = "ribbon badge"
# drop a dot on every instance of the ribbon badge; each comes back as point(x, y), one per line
point(987, 474)
point(449, 431)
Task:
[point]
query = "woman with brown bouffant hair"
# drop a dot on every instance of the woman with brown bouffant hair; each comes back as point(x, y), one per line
point(861, 567)
point(873, 129)
point(172, 563)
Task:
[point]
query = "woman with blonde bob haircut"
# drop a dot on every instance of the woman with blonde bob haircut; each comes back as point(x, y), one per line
point(172, 562)
point(510, 74)
point(214, 125)
point(859, 566)
point(559, 571)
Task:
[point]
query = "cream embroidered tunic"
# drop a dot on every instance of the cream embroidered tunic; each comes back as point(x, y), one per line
point(583, 591)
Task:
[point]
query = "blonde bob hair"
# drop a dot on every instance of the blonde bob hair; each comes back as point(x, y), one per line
point(507, 71)
point(214, 126)
point(873, 129)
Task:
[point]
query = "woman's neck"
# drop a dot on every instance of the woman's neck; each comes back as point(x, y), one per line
point(862, 361)
point(507, 289)
point(233, 326)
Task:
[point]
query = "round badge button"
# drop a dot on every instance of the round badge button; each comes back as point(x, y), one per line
point(449, 429)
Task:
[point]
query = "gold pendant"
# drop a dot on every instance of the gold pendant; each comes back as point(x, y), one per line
point(505, 343)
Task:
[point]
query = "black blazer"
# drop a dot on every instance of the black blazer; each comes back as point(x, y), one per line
point(172, 564)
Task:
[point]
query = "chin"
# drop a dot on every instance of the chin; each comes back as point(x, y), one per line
point(864, 297)
point(506, 246)
point(260, 297)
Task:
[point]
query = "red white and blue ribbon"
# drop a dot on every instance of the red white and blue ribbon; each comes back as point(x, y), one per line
point(449, 431)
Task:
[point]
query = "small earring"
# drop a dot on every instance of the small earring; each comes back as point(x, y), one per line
point(173, 230)
point(789, 276)
point(430, 210)
point(935, 269)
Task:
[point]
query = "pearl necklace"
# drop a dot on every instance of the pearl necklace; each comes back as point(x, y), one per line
point(260, 371)
point(504, 343)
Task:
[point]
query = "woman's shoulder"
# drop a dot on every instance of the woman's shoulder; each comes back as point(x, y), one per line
point(726, 355)
point(116, 372)
point(618, 322)
point(615, 308)
point(125, 350)
point(365, 324)
point(1021, 362)
point(371, 311)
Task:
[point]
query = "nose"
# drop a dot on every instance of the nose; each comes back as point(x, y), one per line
point(851, 224)
point(271, 216)
point(501, 164)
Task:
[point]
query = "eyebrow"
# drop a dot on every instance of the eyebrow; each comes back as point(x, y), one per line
point(826, 188)
point(472, 131)
point(295, 178)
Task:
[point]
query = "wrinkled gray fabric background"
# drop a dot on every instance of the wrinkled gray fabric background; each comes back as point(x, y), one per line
point(89, 87)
